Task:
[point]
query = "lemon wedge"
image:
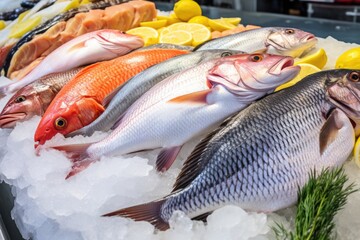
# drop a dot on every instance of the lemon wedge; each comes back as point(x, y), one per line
point(357, 152)
point(148, 34)
point(154, 24)
point(233, 21)
point(306, 69)
point(317, 59)
point(220, 25)
point(2, 25)
point(186, 9)
point(199, 32)
point(23, 27)
point(349, 59)
point(73, 4)
point(179, 37)
point(201, 20)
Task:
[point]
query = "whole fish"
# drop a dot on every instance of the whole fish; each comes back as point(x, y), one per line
point(142, 82)
point(88, 48)
point(34, 98)
point(83, 99)
point(189, 103)
point(261, 156)
point(51, 22)
point(274, 40)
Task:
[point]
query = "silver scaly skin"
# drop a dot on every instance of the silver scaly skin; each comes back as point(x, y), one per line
point(274, 40)
point(259, 157)
point(142, 82)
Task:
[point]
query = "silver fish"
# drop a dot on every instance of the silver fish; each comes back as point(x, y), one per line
point(274, 40)
point(142, 82)
point(259, 157)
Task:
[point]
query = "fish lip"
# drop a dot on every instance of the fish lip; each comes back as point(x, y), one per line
point(9, 120)
point(278, 68)
point(308, 38)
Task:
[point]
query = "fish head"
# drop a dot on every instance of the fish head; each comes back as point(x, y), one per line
point(289, 41)
point(343, 91)
point(26, 103)
point(63, 118)
point(118, 42)
point(250, 76)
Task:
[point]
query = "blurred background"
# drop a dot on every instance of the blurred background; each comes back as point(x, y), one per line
point(343, 10)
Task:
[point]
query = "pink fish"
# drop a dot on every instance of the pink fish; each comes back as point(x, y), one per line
point(88, 48)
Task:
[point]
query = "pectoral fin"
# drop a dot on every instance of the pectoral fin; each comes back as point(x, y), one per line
point(194, 97)
point(331, 128)
point(166, 158)
point(77, 46)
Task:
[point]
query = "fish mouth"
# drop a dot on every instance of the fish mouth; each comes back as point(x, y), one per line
point(309, 38)
point(10, 120)
point(281, 65)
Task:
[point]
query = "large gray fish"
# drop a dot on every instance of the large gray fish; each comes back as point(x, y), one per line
point(274, 40)
point(259, 157)
point(142, 82)
point(34, 98)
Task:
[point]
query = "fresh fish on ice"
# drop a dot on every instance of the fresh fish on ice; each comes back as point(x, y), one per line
point(189, 103)
point(145, 80)
point(84, 98)
point(260, 157)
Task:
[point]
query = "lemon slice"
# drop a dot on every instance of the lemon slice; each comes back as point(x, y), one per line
point(199, 32)
point(317, 59)
point(154, 24)
point(349, 59)
point(84, 2)
point(220, 25)
point(23, 27)
point(179, 37)
point(357, 152)
point(306, 69)
point(148, 34)
point(185, 10)
point(169, 19)
point(233, 21)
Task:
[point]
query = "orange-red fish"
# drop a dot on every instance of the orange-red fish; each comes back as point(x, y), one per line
point(82, 100)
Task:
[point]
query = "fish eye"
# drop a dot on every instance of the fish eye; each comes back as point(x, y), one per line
point(256, 58)
point(289, 31)
point(225, 54)
point(354, 77)
point(60, 123)
point(20, 99)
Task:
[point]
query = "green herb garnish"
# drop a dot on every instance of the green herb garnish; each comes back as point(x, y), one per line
point(318, 202)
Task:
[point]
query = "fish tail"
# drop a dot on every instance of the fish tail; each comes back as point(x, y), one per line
point(149, 212)
point(78, 155)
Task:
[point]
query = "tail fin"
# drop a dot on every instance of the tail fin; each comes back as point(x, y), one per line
point(79, 157)
point(150, 212)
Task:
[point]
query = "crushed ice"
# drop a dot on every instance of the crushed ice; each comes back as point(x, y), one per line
point(48, 205)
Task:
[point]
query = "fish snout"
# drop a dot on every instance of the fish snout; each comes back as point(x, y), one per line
point(9, 120)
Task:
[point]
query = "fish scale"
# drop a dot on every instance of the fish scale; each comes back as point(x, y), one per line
point(254, 160)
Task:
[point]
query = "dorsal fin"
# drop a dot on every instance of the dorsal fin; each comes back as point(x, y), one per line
point(194, 164)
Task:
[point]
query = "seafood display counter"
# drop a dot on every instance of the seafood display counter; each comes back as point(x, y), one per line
point(343, 31)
